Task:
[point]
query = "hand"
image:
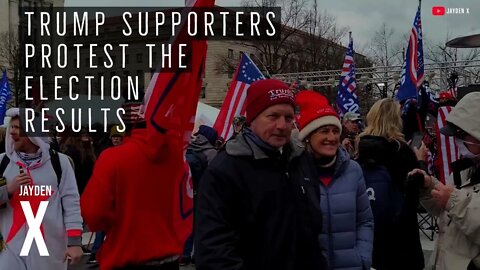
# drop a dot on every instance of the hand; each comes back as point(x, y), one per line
point(347, 143)
point(421, 153)
point(428, 182)
point(21, 179)
point(441, 193)
point(74, 254)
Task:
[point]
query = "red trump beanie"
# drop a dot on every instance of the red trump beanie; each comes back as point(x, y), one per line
point(315, 112)
point(265, 93)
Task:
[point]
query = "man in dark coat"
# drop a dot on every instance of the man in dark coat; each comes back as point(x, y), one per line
point(253, 211)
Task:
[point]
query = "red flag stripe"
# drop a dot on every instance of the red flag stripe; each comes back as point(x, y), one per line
point(447, 151)
point(238, 98)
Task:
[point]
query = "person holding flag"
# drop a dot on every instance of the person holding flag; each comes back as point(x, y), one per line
point(347, 100)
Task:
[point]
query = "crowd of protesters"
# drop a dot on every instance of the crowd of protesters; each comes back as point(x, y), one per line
point(305, 189)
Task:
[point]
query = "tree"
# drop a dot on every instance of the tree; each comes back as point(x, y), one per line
point(10, 53)
point(322, 44)
point(277, 55)
point(386, 50)
point(440, 54)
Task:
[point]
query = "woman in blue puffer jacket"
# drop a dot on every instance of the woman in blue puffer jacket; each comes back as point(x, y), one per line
point(347, 234)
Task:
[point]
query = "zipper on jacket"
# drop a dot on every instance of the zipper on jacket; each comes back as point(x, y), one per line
point(329, 231)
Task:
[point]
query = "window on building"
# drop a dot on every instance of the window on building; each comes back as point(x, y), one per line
point(230, 54)
point(203, 92)
point(230, 74)
point(240, 55)
point(139, 58)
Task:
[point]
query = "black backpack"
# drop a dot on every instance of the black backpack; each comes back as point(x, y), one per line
point(55, 159)
point(198, 163)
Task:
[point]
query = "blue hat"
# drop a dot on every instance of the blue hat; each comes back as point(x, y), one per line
point(209, 133)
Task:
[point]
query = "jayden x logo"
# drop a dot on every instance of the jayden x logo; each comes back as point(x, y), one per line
point(29, 207)
point(34, 232)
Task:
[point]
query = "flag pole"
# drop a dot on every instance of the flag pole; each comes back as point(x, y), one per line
point(266, 69)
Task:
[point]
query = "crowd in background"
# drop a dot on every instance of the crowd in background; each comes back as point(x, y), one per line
point(295, 187)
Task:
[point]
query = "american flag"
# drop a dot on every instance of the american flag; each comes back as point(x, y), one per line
point(452, 91)
point(448, 151)
point(413, 69)
point(234, 104)
point(347, 100)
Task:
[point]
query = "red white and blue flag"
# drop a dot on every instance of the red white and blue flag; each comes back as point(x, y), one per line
point(234, 104)
point(447, 150)
point(347, 100)
point(413, 68)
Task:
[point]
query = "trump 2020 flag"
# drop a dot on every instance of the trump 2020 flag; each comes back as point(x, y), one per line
point(5, 96)
point(413, 70)
point(234, 104)
point(347, 100)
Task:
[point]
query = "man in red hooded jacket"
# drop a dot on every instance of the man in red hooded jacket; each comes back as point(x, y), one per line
point(130, 199)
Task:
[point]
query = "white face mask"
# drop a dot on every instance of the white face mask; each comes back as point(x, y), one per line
point(463, 150)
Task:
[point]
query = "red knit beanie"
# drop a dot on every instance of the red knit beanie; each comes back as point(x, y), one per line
point(265, 93)
point(315, 112)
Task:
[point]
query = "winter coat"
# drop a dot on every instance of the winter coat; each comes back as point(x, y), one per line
point(200, 144)
point(256, 213)
point(458, 240)
point(62, 223)
point(396, 245)
point(347, 233)
point(83, 169)
point(135, 197)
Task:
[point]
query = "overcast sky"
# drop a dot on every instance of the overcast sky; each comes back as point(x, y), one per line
point(363, 17)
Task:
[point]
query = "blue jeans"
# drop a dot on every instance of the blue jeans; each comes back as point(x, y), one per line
point(99, 237)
